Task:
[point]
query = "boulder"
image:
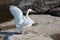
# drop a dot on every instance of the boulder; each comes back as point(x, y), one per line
point(38, 5)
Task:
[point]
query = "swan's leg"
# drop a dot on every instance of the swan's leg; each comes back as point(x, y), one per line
point(18, 30)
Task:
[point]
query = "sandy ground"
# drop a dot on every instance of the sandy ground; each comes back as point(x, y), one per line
point(47, 26)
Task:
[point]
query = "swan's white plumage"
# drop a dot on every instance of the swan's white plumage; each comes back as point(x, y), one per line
point(17, 13)
point(19, 18)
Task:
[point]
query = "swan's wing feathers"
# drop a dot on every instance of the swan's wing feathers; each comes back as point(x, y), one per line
point(15, 11)
point(24, 18)
point(18, 14)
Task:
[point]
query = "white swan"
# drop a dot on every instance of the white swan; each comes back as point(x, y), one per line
point(20, 19)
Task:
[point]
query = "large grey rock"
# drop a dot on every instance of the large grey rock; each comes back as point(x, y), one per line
point(29, 37)
point(39, 5)
point(31, 34)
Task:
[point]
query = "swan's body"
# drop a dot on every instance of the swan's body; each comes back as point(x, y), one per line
point(19, 18)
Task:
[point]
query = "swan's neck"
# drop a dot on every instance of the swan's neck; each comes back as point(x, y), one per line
point(27, 16)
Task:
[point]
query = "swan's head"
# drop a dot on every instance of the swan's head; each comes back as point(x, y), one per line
point(30, 10)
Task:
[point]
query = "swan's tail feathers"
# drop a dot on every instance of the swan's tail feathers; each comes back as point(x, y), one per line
point(34, 24)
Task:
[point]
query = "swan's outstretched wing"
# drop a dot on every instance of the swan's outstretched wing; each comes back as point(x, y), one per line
point(17, 13)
